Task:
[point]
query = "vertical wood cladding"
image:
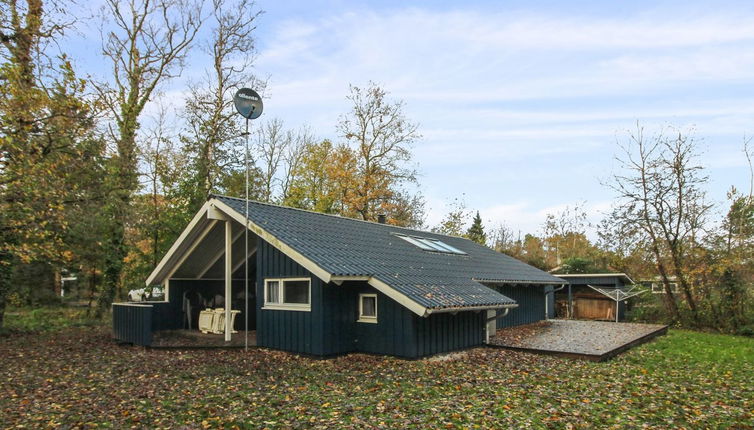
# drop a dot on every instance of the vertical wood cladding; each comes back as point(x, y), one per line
point(331, 327)
point(531, 305)
point(297, 331)
point(133, 323)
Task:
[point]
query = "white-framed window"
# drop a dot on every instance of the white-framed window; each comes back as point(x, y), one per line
point(367, 308)
point(292, 294)
point(659, 288)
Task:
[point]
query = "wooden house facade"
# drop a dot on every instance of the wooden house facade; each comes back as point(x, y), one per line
point(326, 285)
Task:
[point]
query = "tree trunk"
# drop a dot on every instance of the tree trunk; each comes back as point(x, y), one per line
point(5, 272)
point(156, 223)
point(116, 253)
point(669, 298)
point(2, 309)
point(113, 269)
point(92, 288)
point(57, 283)
point(685, 287)
point(126, 182)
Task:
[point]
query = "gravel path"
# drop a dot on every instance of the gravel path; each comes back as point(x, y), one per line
point(579, 337)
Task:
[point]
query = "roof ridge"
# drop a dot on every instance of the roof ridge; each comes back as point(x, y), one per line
point(334, 216)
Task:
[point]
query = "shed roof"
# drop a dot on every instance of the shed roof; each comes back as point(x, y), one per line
point(584, 278)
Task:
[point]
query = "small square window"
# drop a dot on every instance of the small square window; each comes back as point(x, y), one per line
point(368, 308)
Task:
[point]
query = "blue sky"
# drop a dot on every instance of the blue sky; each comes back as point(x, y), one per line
point(519, 103)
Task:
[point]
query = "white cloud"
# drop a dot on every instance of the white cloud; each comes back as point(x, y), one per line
point(520, 111)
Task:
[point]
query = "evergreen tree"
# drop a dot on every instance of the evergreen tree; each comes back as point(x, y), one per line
point(476, 231)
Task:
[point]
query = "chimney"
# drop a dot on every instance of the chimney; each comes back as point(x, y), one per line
point(381, 218)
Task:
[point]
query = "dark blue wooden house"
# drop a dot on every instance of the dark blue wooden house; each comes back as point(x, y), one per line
point(326, 285)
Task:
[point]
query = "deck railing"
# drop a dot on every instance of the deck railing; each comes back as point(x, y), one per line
point(132, 323)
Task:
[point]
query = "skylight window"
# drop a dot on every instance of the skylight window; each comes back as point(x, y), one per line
point(447, 247)
point(416, 241)
point(433, 245)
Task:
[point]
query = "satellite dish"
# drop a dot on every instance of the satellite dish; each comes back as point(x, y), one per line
point(248, 103)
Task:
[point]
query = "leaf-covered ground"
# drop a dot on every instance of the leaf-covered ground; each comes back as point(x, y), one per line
point(79, 378)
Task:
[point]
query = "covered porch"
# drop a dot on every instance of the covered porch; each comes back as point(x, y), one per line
point(205, 270)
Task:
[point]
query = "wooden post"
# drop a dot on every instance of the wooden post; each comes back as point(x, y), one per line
point(617, 304)
point(228, 276)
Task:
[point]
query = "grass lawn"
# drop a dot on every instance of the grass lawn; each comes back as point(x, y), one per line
point(79, 377)
point(46, 319)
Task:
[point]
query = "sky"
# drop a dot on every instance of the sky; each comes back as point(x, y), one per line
point(520, 104)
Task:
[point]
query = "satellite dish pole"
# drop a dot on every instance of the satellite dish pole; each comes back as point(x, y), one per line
point(249, 105)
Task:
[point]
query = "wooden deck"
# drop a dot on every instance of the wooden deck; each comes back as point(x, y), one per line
point(194, 339)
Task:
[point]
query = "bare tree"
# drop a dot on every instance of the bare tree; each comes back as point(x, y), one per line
point(738, 220)
point(455, 220)
point(504, 240)
point(27, 28)
point(382, 136)
point(146, 44)
point(213, 138)
point(271, 147)
point(562, 227)
point(660, 193)
point(299, 142)
point(281, 152)
point(161, 164)
point(747, 150)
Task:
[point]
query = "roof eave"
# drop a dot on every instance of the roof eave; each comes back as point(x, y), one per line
point(510, 281)
point(470, 308)
point(595, 275)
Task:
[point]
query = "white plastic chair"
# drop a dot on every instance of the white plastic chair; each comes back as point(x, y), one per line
point(206, 321)
point(221, 322)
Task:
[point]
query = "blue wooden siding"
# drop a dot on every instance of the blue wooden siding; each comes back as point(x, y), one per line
point(440, 333)
point(297, 331)
point(395, 330)
point(398, 331)
point(339, 314)
point(531, 305)
point(331, 327)
point(132, 323)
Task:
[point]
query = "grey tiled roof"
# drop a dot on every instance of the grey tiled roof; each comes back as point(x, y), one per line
point(348, 247)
